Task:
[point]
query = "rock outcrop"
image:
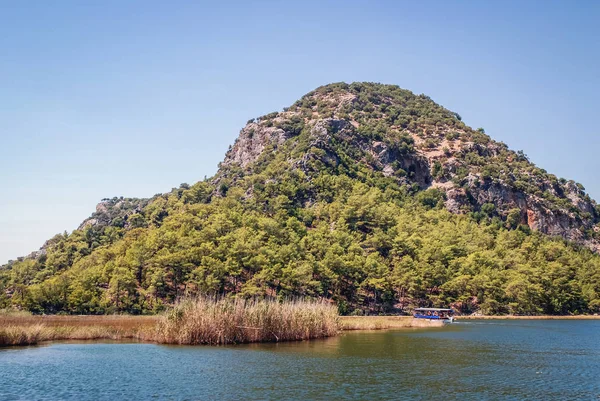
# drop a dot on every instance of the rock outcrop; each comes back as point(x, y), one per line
point(252, 142)
point(115, 211)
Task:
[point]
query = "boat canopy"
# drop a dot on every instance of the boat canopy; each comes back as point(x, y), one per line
point(433, 310)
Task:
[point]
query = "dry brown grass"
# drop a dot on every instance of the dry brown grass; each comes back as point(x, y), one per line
point(21, 335)
point(233, 321)
point(23, 329)
point(202, 321)
point(122, 322)
point(545, 317)
point(384, 322)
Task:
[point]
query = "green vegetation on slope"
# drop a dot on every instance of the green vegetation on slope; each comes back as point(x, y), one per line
point(319, 214)
point(365, 249)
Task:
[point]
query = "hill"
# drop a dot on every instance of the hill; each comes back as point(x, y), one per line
point(363, 193)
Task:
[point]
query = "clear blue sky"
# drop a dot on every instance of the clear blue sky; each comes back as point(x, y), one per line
point(110, 98)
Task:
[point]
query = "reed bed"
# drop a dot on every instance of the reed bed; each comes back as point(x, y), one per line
point(23, 329)
point(121, 322)
point(31, 335)
point(217, 321)
point(384, 322)
point(21, 335)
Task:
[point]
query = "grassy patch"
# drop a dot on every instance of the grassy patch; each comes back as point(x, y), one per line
point(25, 329)
point(384, 322)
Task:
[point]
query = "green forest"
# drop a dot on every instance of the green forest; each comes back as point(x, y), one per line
point(321, 219)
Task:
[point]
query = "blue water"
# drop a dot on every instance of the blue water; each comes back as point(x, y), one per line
point(475, 360)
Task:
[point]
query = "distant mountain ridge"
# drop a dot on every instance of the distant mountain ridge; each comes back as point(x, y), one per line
point(363, 193)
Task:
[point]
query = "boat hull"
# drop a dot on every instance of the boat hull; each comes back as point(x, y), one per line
point(436, 318)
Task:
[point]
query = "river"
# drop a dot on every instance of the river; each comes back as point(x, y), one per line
point(472, 360)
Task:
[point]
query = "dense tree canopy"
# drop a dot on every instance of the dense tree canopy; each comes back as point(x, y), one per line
point(368, 249)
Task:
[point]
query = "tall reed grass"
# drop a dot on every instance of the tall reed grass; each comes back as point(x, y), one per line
point(214, 321)
point(15, 335)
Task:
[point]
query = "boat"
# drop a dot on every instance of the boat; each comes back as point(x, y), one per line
point(443, 314)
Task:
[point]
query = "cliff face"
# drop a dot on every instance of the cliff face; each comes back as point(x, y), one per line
point(251, 143)
point(544, 203)
point(398, 134)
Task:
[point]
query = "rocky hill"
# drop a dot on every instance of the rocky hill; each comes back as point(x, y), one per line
point(416, 141)
point(366, 194)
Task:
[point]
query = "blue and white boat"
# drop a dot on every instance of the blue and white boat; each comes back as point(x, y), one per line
point(443, 314)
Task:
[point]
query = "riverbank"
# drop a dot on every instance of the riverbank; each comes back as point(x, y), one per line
point(23, 329)
point(544, 317)
point(213, 321)
point(349, 323)
point(30, 330)
point(404, 322)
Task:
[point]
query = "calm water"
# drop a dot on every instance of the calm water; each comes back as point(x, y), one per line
point(538, 360)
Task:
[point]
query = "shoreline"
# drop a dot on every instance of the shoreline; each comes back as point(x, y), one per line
point(38, 329)
point(353, 323)
point(134, 322)
point(541, 317)
point(22, 329)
